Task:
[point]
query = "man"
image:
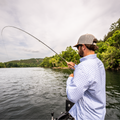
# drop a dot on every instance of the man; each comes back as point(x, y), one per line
point(86, 86)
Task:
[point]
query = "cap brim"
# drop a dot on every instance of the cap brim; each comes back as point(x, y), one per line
point(76, 45)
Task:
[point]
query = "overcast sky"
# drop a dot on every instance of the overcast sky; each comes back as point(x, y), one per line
point(58, 23)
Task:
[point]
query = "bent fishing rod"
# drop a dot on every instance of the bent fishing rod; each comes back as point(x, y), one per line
point(36, 39)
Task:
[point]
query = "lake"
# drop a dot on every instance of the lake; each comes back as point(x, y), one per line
point(34, 93)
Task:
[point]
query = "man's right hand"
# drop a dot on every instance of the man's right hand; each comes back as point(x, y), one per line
point(71, 65)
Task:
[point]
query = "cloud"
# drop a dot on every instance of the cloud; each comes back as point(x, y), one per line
point(59, 24)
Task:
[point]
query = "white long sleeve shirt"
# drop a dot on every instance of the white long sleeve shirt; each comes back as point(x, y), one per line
point(87, 89)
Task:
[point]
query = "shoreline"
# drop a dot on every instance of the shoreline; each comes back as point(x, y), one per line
point(60, 67)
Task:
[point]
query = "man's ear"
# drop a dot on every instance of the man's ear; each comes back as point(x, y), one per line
point(83, 46)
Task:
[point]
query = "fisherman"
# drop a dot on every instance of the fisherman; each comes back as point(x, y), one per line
point(86, 86)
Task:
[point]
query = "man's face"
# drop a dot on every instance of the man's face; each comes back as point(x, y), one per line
point(80, 51)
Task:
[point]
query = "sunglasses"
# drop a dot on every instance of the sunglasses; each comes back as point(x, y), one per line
point(79, 45)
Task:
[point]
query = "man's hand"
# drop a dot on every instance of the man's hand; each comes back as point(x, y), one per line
point(71, 65)
point(71, 75)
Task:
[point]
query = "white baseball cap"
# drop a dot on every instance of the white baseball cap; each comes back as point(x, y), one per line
point(86, 39)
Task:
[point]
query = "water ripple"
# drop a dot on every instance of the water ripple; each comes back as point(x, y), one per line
point(33, 93)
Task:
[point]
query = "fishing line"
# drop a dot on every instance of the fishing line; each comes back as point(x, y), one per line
point(36, 39)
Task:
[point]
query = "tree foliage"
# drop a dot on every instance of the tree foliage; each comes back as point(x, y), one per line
point(55, 61)
point(2, 65)
point(115, 26)
point(109, 51)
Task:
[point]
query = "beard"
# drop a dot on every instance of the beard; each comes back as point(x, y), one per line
point(81, 53)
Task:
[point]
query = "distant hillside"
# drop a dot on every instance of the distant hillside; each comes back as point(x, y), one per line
point(33, 62)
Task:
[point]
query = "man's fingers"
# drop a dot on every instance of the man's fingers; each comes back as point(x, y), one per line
point(71, 65)
point(71, 75)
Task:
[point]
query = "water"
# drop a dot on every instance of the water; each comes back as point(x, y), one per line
point(33, 93)
point(113, 95)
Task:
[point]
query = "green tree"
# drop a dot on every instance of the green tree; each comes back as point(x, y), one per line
point(109, 51)
point(2, 65)
point(115, 26)
point(55, 61)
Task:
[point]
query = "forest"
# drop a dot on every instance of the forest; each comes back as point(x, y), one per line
point(108, 53)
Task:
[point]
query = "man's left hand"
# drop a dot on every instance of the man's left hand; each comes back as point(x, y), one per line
point(71, 75)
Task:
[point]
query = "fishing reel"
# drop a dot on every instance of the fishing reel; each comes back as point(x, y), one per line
point(65, 115)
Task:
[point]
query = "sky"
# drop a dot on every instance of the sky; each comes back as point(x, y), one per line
point(57, 23)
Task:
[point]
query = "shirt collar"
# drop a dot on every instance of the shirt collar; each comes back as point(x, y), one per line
point(88, 57)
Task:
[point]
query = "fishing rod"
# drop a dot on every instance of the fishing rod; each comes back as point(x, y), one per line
point(36, 39)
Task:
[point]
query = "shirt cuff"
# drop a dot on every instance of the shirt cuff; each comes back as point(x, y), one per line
point(75, 66)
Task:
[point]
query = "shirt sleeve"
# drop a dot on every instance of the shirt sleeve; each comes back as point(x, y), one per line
point(77, 85)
